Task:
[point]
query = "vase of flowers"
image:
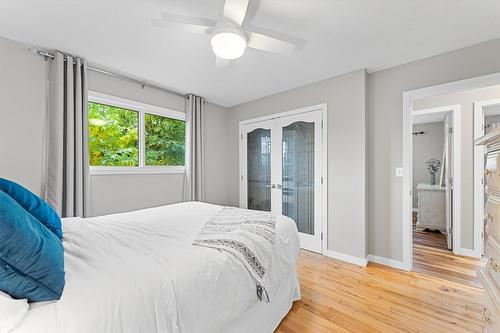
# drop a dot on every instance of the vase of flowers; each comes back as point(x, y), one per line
point(433, 166)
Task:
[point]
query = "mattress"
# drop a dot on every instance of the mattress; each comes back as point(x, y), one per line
point(138, 272)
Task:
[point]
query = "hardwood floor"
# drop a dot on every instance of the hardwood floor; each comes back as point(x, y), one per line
point(341, 297)
point(427, 238)
point(431, 256)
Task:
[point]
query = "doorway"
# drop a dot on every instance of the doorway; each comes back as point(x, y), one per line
point(466, 238)
point(435, 192)
point(282, 164)
point(436, 159)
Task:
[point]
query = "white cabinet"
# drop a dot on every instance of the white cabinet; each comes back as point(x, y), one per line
point(431, 207)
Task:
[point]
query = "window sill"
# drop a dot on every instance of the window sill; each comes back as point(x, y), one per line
point(94, 170)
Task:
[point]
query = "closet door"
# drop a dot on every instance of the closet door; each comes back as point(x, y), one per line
point(281, 171)
point(299, 173)
point(255, 189)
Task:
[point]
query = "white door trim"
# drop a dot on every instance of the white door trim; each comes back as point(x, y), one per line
point(324, 200)
point(322, 107)
point(479, 174)
point(408, 98)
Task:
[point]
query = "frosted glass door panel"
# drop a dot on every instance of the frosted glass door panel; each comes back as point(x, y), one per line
point(259, 169)
point(298, 174)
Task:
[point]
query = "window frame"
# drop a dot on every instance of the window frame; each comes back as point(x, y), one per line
point(142, 109)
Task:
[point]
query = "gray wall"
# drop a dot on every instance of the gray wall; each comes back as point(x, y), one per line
point(118, 193)
point(488, 120)
point(466, 101)
point(22, 104)
point(345, 96)
point(23, 84)
point(218, 163)
point(384, 90)
point(385, 105)
point(426, 146)
point(383, 136)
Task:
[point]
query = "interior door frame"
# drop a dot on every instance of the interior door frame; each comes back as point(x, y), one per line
point(408, 98)
point(323, 107)
point(479, 173)
point(457, 169)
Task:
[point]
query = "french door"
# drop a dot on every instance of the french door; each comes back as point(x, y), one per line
point(281, 171)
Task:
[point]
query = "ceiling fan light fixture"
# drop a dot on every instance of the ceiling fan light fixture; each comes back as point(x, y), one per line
point(228, 45)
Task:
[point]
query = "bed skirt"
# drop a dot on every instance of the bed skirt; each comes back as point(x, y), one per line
point(265, 317)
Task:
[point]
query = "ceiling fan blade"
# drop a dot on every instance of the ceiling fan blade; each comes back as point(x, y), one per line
point(269, 44)
point(221, 63)
point(235, 11)
point(185, 23)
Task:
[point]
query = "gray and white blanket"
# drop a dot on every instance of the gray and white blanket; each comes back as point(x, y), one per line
point(247, 234)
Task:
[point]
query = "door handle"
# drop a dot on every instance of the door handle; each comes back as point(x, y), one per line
point(279, 186)
point(271, 186)
point(493, 265)
point(486, 314)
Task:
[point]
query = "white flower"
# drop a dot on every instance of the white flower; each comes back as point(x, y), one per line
point(433, 165)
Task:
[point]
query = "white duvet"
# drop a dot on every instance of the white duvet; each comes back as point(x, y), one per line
point(139, 272)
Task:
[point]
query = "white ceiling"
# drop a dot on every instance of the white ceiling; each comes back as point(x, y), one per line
point(341, 36)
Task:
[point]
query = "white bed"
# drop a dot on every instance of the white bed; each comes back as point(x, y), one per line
point(138, 272)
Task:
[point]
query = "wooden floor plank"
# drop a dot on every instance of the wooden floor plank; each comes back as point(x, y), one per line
point(431, 256)
point(442, 295)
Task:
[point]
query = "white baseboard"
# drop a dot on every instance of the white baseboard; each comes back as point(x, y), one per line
point(385, 261)
point(466, 252)
point(364, 261)
point(346, 257)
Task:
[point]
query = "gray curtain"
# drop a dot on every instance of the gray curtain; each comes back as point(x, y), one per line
point(193, 183)
point(67, 182)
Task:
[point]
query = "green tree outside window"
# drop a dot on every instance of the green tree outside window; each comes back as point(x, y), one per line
point(114, 138)
point(164, 140)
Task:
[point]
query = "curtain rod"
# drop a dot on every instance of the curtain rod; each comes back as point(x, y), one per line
point(49, 56)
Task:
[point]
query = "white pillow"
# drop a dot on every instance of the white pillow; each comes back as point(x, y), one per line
point(12, 312)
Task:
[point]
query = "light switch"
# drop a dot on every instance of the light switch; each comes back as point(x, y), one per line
point(399, 172)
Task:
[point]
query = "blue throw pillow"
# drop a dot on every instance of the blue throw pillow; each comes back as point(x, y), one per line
point(31, 256)
point(37, 207)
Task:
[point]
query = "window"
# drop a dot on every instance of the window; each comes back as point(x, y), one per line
point(131, 137)
point(164, 140)
point(113, 136)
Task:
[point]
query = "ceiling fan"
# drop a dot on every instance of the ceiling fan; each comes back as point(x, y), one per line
point(227, 36)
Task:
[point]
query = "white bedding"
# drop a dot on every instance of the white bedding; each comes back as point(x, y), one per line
point(138, 272)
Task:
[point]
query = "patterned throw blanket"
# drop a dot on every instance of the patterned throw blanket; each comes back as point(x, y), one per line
point(247, 234)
